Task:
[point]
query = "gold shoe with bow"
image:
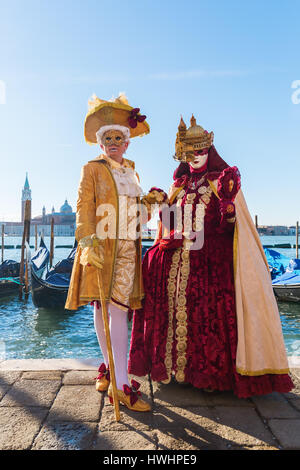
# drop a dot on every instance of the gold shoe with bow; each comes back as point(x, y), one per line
point(103, 379)
point(130, 397)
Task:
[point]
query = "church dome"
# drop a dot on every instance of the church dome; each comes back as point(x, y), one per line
point(195, 131)
point(66, 208)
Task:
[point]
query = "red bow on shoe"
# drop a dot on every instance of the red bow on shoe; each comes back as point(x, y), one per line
point(133, 391)
point(135, 117)
point(103, 372)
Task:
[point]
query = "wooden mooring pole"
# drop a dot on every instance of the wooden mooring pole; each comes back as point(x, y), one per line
point(2, 247)
point(36, 237)
point(256, 222)
point(26, 237)
point(297, 243)
point(27, 267)
point(51, 242)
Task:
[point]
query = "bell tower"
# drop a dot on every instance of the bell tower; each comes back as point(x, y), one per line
point(26, 195)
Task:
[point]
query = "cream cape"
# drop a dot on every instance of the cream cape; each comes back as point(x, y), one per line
point(260, 348)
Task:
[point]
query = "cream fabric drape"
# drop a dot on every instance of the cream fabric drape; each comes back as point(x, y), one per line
point(261, 348)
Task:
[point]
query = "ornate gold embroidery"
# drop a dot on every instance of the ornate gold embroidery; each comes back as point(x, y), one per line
point(124, 271)
point(204, 200)
point(183, 272)
point(190, 198)
point(180, 376)
point(181, 317)
point(206, 196)
point(198, 222)
point(180, 194)
point(171, 293)
point(202, 190)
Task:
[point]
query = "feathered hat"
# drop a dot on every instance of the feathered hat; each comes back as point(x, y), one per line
point(115, 112)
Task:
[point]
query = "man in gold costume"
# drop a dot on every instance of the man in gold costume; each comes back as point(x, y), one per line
point(108, 235)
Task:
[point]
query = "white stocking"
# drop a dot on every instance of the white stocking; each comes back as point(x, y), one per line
point(119, 341)
point(100, 332)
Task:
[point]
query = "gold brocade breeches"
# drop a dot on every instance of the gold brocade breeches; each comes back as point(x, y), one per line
point(124, 274)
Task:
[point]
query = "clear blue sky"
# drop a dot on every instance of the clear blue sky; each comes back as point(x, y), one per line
point(231, 63)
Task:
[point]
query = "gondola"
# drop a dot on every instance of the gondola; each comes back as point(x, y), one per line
point(285, 275)
point(10, 270)
point(277, 262)
point(287, 286)
point(51, 292)
point(40, 259)
point(9, 277)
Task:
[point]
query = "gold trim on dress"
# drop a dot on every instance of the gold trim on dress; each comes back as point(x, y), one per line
point(213, 188)
point(235, 240)
point(181, 317)
point(262, 372)
point(171, 302)
point(181, 274)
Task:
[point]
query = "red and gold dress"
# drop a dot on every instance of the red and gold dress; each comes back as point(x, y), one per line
point(188, 325)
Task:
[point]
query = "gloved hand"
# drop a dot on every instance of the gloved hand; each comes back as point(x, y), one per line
point(156, 196)
point(227, 208)
point(229, 183)
point(90, 256)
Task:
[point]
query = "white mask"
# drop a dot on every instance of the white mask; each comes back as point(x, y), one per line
point(199, 161)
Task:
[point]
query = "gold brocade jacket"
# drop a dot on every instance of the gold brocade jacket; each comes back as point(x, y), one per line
point(97, 186)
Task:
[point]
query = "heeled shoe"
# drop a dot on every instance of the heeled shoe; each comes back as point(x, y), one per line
point(103, 379)
point(130, 397)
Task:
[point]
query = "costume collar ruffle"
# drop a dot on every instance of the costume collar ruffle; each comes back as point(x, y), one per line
point(125, 177)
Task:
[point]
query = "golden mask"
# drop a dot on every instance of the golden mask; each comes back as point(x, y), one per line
point(113, 137)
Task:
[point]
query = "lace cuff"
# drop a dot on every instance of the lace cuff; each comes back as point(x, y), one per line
point(90, 240)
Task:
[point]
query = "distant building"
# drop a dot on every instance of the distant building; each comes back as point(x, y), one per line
point(65, 216)
point(64, 220)
point(276, 230)
point(26, 196)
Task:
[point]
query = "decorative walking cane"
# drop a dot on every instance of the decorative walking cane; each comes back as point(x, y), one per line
point(109, 348)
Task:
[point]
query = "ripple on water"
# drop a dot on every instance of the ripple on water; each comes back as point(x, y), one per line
point(28, 332)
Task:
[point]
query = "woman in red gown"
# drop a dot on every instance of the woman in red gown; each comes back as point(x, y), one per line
point(188, 324)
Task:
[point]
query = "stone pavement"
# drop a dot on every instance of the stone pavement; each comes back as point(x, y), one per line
point(60, 409)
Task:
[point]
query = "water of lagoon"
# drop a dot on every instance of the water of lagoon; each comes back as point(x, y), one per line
point(27, 332)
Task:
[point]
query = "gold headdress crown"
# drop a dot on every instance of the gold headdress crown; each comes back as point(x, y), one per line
point(188, 141)
point(115, 111)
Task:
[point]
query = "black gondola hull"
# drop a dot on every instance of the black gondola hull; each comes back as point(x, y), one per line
point(287, 293)
point(45, 295)
point(8, 287)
